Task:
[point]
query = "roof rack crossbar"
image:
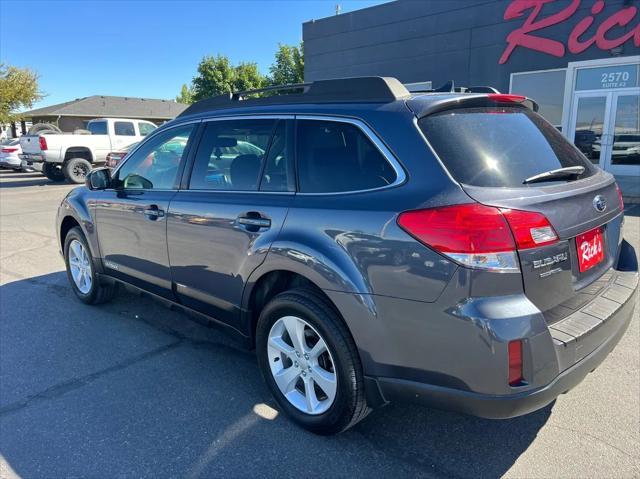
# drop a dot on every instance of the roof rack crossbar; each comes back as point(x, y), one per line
point(340, 90)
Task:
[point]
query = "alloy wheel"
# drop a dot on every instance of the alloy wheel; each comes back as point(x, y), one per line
point(301, 365)
point(80, 266)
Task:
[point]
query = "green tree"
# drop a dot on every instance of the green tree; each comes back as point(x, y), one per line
point(288, 66)
point(215, 76)
point(185, 95)
point(18, 91)
point(247, 77)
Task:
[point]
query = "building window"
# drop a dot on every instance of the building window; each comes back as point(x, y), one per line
point(546, 88)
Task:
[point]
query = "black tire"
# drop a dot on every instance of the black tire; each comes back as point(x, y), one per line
point(53, 171)
point(98, 293)
point(349, 405)
point(76, 170)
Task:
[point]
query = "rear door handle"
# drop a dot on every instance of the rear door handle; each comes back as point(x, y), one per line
point(154, 213)
point(254, 221)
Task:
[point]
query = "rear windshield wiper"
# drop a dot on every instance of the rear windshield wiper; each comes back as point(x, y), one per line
point(568, 172)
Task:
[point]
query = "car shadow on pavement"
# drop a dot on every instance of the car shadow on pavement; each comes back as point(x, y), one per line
point(24, 181)
point(133, 389)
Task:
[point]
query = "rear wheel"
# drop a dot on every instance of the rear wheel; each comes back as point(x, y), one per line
point(53, 171)
point(76, 169)
point(81, 270)
point(310, 362)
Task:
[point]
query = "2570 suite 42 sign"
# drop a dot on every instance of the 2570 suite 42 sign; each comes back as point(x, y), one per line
point(577, 42)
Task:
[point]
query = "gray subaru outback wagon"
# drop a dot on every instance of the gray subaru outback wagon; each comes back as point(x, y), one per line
point(373, 244)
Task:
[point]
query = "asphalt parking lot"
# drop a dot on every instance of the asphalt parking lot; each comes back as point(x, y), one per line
point(133, 389)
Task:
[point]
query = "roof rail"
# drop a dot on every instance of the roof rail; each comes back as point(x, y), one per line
point(340, 90)
point(237, 96)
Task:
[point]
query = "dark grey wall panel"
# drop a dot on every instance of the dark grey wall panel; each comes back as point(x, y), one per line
point(440, 40)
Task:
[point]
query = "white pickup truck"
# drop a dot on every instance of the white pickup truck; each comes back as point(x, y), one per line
point(71, 156)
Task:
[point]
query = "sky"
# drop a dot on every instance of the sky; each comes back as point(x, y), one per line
point(146, 48)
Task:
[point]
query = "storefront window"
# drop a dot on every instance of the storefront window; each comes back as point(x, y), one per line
point(546, 88)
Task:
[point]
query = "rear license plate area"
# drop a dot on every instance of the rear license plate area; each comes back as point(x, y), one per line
point(590, 249)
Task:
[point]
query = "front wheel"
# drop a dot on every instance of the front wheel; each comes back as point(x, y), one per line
point(53, 171)
point(310, 362)
point(76, 170)
point(81, 271)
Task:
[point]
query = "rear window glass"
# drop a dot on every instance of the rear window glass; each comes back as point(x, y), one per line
point(335, 157)
point(499, 147)
point(124, 128)
point(97, 127)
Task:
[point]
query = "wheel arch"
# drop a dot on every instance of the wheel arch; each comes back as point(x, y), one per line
point(79, 152)
point(75, 211)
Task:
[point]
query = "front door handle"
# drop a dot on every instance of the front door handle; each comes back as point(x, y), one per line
point(153, 213)
point(254, 221)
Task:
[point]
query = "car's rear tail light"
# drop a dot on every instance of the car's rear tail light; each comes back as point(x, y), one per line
point(620, 201)
point(479, 236)
point(474, 235)
point(9, 150)
point(43, 143)
point(530, 229)
point(506, 98)
point(515, 363)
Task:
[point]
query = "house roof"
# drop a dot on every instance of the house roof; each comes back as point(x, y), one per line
point(112, 106)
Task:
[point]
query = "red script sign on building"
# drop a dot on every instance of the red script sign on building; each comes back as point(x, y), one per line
point(524, 37)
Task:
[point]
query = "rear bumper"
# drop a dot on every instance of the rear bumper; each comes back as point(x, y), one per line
point(557, 356)
point(31, 165)
point(517, 404)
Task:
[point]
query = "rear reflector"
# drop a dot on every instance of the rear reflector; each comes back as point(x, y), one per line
point(43, 143)
point(515, 363)
point(620, 197)
point(530, 229)
point(505, 98)
point(8, 150)
point(479, 236)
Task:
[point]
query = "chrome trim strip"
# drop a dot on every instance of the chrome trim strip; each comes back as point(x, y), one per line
point(401, 175)
point(246, 192)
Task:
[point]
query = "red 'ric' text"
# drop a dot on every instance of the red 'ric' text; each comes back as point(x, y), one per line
point(522, 37)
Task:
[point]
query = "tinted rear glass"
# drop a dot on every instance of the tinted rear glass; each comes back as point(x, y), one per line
point(497, 146)
point(336, 157)
point(97, 127)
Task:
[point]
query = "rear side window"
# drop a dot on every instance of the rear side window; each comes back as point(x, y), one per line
point(499, 147)
point(97, 127)
point(336, 157)
point(124, 128)
point(145, 128)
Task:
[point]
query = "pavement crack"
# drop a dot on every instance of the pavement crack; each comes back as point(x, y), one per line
point(596, 438)
point(76, 383)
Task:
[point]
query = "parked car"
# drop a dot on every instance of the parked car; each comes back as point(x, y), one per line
point(115, 157)
point(624, 151)
point(71, 156)
point(9, 151)
point(373, 245)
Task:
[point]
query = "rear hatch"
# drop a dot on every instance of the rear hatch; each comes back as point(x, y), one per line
point(492, 150)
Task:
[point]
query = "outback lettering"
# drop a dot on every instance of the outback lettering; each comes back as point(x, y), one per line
point(523, 37)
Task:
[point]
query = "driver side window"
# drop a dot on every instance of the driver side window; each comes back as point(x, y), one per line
point(155, 164)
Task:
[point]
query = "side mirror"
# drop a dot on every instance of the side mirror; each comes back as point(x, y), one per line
point(98, 179)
